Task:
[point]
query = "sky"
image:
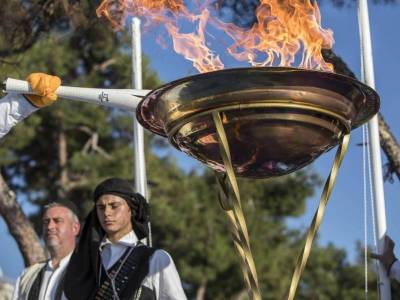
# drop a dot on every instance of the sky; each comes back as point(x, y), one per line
point(343, 224)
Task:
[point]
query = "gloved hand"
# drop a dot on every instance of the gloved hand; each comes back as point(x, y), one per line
point(44, 86)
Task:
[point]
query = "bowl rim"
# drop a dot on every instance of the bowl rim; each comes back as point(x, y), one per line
point(155, 125)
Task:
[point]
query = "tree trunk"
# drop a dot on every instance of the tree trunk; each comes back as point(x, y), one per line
point(390, 147)
point(19, 226)
point(201, 291)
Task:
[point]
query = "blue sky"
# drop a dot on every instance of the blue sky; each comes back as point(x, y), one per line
point(343, 222)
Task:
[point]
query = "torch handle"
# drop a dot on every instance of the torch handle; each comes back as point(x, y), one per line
point(126, 99)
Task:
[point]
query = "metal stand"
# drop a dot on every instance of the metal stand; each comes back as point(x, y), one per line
point(233, 209)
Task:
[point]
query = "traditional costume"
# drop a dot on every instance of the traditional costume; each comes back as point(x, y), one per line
point(124, 270)
point(41, 281)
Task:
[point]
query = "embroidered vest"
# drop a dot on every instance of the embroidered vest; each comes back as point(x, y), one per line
point(125, 277)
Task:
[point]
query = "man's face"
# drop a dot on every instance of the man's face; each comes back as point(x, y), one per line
point(114, 215)
point(59, 228)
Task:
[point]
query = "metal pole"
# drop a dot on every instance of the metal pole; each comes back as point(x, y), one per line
point(138, 136)
point(367, 71)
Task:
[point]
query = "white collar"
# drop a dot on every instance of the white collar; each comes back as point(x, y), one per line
point(130, 239)
point(63, 262)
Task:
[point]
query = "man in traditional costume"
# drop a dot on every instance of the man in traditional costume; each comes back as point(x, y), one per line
point(14, 107)
point(44, 281)
point(110, 261)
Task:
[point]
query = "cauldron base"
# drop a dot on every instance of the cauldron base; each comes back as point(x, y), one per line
point(263, 142)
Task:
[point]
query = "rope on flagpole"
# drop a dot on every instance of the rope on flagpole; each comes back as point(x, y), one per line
point(364, 156)
point(367, 71)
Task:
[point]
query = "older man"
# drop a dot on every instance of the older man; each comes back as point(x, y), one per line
point(14, 108)
point(44, 281)
point(110, 261)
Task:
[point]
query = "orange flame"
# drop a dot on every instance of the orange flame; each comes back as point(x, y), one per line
point(284, 29)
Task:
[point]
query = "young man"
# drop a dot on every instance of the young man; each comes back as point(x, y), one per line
point(43, 281)
point(14, 107)
point(110, 261)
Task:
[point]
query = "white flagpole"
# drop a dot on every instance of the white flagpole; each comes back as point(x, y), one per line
point(138, 136)
point(367, 71)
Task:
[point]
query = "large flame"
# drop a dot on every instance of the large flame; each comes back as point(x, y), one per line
point(285, 31)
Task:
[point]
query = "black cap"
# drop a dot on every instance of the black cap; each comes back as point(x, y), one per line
point(114, 186)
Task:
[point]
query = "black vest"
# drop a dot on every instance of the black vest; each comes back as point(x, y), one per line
point(128, 273)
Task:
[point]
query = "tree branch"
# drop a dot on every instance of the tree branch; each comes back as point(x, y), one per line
point(390, 148)
point(93, 143)
point(389, 144)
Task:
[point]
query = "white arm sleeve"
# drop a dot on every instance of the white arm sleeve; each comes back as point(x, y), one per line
point(164, 278)
point(13, 109)
point(15, 295)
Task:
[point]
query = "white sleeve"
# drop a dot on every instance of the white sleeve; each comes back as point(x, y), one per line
point(164, 277)
point(13, 109)
point(15, 294)
point(395, 271)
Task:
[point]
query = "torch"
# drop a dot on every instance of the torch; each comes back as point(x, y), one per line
point(126, 99)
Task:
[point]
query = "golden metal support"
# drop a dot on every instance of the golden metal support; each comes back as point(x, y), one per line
point(316, 222)
point(235, 215)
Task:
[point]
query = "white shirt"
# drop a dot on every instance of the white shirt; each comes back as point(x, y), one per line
point(13, 108)
point(163, 278)
point(50, 281)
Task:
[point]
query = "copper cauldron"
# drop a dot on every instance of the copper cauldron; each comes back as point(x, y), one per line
point(277, 120)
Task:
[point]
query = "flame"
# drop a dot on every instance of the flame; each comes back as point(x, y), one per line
point(284, 31)
point(192, 46)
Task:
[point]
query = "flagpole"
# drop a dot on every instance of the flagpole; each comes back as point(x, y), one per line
point(367, 72)
point(138, 135)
